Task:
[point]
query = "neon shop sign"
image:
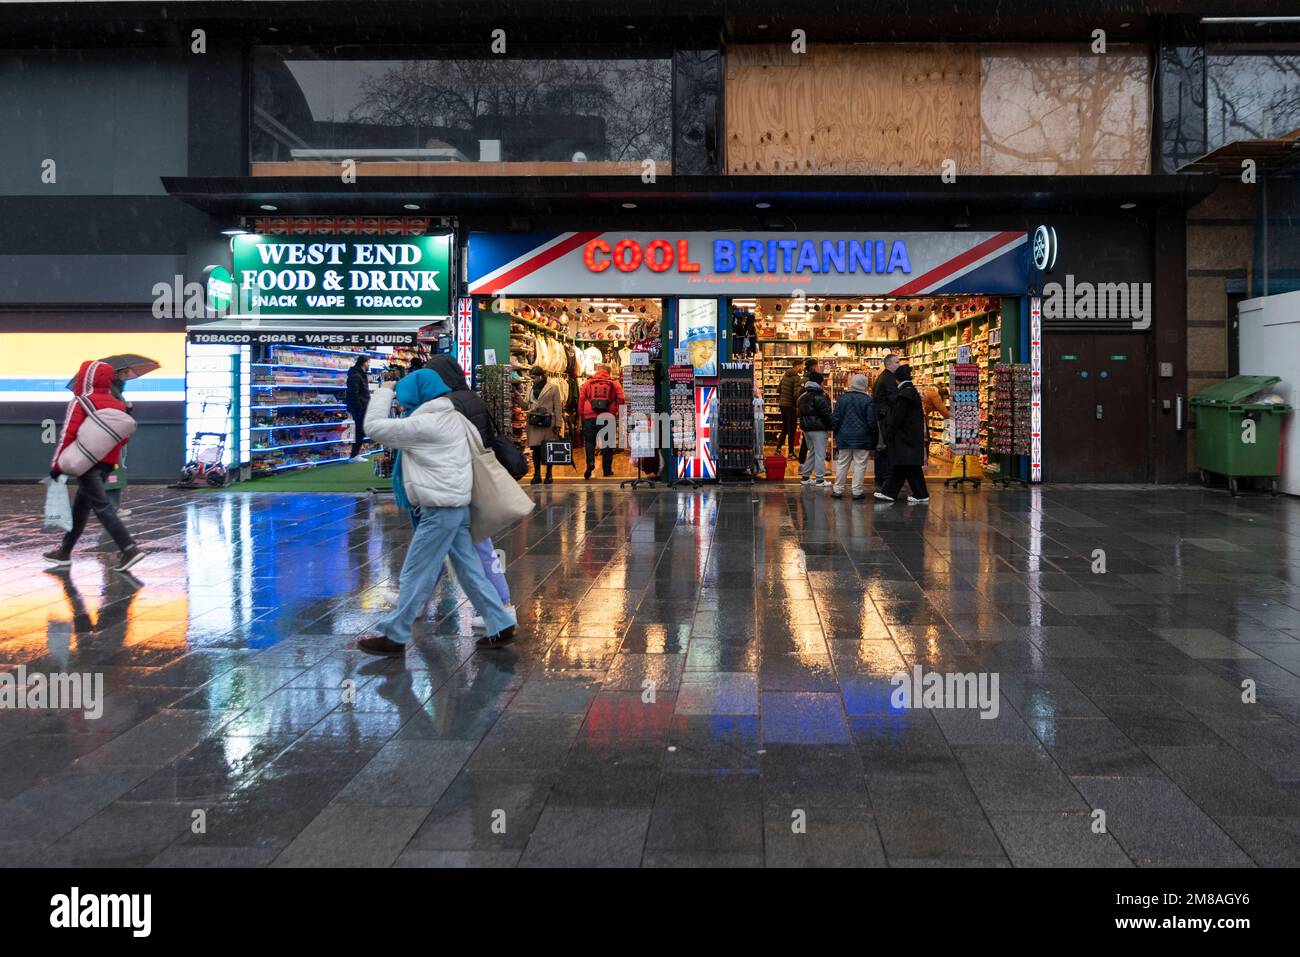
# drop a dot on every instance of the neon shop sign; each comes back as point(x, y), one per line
point(752, 256)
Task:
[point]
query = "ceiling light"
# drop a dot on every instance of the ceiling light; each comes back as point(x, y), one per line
point(268, 207)
point(1127, 205)
point(1125, 26)
point(762, 205)
point(629, 205)
point(410, 206)
point(234, 231)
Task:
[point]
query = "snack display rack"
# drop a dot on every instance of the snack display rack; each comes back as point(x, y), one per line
point(299, 414)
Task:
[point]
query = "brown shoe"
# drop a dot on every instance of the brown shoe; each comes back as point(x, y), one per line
point(373, 643)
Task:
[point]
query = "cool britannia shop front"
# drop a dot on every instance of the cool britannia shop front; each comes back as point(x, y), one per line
point(302, 328)
point(698, 328)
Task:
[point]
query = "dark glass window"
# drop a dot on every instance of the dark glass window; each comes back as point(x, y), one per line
point(1182, 106)
point(1252, 93)
point(429, 109)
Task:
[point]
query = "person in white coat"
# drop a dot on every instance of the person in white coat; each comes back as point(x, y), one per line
point(432, 474)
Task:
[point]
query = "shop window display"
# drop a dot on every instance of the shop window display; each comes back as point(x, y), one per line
point(850, 336)
point(568, 339)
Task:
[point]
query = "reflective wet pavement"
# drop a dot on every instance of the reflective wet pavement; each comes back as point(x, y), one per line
point(705, 679)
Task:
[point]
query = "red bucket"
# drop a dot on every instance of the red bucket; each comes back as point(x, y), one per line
point(774, 467)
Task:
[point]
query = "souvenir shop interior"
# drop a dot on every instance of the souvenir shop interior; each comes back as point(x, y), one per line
point(954, 345)
point(568, 338)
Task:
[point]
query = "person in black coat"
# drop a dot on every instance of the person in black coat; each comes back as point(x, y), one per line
point(358, 400)
point(882, 393)
point(905, 441)
point(467, 402)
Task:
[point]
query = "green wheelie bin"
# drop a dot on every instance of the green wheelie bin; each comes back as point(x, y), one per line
point(1225, 444)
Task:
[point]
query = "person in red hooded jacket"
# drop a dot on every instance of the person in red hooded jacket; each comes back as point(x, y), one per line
point(94, 381)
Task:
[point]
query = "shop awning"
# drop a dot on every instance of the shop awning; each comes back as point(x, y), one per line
point(696, 199)
point(1269, 153)
point(314, 332)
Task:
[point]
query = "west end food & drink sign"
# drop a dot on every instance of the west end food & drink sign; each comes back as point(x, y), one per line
point(323, 277)
point(731, 263)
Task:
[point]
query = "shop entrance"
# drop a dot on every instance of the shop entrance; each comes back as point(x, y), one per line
point(850, 336)
point(573, 341)
point(1097, 408)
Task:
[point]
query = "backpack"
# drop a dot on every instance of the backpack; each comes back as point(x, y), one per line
point(602, 393)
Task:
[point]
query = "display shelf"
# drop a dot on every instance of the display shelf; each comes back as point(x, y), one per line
point(295, 385)
point(299, 405)
point(299, 445)
point(301, 465)
point(291, 365)
point(300, 425)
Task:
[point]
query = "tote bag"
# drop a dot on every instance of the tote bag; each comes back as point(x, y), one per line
point(496, 500)
point(100, 432)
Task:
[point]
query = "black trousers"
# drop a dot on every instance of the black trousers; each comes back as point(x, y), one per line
point(883, 469)
point(915, 477)
point(91, 497)
point(539, 459)
point(590, 429)
point(789, 426)
point(359, 417)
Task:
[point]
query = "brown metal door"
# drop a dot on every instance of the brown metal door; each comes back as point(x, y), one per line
point(1120, 377)
point(1069, 409)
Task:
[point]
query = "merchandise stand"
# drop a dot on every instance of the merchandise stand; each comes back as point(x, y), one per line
point(1010, 410)
point(735, 456)
point(965, 415)
point(681, 404)
point(963, 478)
point(640, 479)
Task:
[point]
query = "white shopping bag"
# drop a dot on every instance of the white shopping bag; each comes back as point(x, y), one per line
point(58, 510)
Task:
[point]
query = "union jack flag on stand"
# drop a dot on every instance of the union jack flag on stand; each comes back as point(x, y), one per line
point(702, 465)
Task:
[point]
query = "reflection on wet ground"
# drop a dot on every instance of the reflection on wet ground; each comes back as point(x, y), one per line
point(705, 680)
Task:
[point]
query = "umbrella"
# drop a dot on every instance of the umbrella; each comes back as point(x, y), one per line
point(134, 365)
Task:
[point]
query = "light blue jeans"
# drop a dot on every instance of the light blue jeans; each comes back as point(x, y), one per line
point(443, 533)
point(487, 556)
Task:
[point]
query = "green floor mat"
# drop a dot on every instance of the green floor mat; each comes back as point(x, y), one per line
point(336, 477)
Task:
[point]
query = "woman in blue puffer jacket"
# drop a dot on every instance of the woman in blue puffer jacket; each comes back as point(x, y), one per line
point(854, 425)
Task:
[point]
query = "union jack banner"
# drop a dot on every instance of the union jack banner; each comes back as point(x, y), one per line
point(702, 465)
point(465, 334)
point(340, 225)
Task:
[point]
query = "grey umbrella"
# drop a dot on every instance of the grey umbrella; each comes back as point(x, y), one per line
point(134, 365)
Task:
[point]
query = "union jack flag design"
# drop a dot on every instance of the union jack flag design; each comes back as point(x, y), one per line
point(465, 334)
point(702, 465)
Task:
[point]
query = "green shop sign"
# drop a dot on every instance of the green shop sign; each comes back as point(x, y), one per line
point(320, 277)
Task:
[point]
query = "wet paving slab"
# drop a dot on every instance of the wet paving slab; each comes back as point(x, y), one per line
point(1064, 676)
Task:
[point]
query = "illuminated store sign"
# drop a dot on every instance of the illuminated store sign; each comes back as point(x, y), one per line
point(728, 263)
point(280, 276)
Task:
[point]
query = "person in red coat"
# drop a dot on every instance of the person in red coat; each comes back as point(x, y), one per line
point(600, 395)
point(94, 381)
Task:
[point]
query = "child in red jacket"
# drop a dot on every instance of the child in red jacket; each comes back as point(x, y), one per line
point(94, 381)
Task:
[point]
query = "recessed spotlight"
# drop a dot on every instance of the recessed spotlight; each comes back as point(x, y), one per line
point(629, 205)
point(410, 206)
point(268, 207)
point(272, 29)
point(1125, 26)
point(137, 29)
point(629, 26)
point(762, 26)
point(762, 205)
point(1127, 205)
point(234, 231)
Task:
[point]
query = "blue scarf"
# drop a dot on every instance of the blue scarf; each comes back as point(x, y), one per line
point(421, 386)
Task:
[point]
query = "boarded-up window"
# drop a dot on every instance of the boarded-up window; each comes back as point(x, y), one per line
point(907, 108)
